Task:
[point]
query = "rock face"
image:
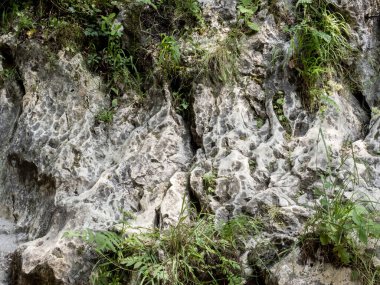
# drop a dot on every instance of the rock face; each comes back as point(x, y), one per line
point(62, 170)
point(8, 244)
point(289, 272)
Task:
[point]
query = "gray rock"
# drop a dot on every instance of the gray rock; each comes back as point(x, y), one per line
point(290, 271)
point(63, 170)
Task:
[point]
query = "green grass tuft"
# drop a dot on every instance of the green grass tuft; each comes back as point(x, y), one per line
point(320, 46)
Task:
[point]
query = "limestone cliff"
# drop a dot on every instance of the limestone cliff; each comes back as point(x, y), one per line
point(62, 169)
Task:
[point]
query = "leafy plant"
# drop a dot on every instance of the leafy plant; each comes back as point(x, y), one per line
point(147, 2)
point(246, 10)
point(180, 102)
point(169, 55)
point(65, 34)
point(181, 12)
point(15, 16)
point(189, 252)
point(7, 76)
point(110, 27)
point(341, 227)
point(342, 223)
point(8, 12)
point(319, 46)
point(209, 182)
point(24, 21)
point(105, 116)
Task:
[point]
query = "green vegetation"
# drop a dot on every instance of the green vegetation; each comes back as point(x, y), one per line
point(119, 49)
point(220, 64)
point(106, 115)
point(320, 47)
point(169, 55)
point(209, 182)
point(180, 102)
point(8, 74)
point(189, 252)
point(278, 106)
point(342, 227)
point(246, 9)
point(134, 45)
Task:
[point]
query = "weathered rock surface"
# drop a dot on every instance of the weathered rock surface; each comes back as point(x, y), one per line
point(62, 170)
point(8, 244)
point(290, 271)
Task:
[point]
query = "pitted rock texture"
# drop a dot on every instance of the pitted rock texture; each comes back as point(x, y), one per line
point(62, 170)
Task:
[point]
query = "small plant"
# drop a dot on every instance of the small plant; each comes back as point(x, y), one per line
point(170, 55)
point(190, 252)
point(342, 223)
point(8, 13)
point(209, 182)
point(181, 104)
point(8, 74)
point(106, 116)
point(110, 27)
point(260, 122)
point(147, 2)
point(14, 16)
point(375, 111)
point(65, 34)
point(186, 12)
point(252, 164)
point(342, 228)
point(24, 21)
point(246, 9)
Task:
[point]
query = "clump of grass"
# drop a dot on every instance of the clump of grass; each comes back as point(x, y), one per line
point(219, 64)
point(169, 54)
point(190, 252)
point(320, 46)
